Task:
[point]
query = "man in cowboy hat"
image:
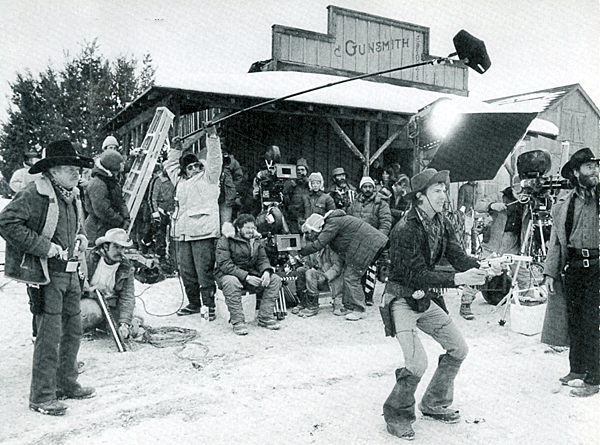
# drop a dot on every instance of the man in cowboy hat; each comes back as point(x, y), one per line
point(111, 273)
point(573, 257)
point(41, 226)
point(412, 299)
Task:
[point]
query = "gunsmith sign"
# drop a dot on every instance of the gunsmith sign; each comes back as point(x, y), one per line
point(358, 43)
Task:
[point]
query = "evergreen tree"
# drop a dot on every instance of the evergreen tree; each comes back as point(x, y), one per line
point(74, 103)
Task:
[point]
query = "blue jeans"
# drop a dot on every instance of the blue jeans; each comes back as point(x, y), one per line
point(58, 339)
point(232, 291)
point(434, 322)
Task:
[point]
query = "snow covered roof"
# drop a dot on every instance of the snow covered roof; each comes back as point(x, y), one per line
point(357, 94)
point(539, 101)
point(360, 94)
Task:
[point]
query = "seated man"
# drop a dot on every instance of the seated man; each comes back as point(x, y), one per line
point(111, 273)
point(321, 271)
point(242, 263)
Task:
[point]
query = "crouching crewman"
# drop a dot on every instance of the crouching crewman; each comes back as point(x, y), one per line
point(242, 263)
point(111, 273)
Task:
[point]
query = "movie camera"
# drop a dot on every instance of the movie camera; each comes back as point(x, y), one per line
point(533, 167)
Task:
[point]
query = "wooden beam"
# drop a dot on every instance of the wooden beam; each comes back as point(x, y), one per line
point(346, 139)
point(386, 144)
point(367, 150)
point(144, 116)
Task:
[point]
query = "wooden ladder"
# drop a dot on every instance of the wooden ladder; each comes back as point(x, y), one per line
point(141, 171)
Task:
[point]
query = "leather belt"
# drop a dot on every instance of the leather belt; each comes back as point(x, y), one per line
point(583, 253)
point(583, 262)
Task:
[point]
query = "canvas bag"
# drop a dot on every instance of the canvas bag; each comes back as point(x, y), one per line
point(526, 320)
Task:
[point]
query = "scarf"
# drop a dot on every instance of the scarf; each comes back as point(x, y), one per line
point(67, 195)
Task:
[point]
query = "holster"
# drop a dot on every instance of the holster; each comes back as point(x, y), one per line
point(36, 299)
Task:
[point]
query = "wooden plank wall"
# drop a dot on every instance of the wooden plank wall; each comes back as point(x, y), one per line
point(311, 138)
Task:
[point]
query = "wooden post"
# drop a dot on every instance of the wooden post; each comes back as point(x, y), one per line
point(367, 151)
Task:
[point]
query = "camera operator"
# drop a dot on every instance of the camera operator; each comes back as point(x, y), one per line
point(507, 231)
point(573, 257)
point(293, 192)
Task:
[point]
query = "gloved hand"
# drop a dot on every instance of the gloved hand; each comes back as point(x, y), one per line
point(498, 206)
point(124, 331)
point(211, 131)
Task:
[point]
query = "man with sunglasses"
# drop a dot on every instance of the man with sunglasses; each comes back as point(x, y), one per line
point(195, 221)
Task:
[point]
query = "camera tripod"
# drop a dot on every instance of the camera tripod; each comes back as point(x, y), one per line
point(533, 245)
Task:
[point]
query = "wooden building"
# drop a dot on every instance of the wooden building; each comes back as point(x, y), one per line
point(571, 110)
point(360, 125)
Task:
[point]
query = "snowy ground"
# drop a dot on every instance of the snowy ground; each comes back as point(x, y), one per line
point(321, 380)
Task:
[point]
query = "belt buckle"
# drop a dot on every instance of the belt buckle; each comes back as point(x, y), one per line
point(585, 253)
point(586, 263)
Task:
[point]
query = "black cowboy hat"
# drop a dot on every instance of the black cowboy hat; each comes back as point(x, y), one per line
point(61, 153)
point(579, 158)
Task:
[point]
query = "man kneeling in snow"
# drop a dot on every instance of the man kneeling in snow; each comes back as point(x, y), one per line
point(242, 263)
point(111, 273)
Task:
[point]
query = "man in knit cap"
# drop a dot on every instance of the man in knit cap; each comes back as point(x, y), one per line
point(316, 200)
point(104, 196)
point(293, 191)
point(110, 143)
point(371, 208)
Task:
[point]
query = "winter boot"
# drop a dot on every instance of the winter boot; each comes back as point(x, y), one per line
point(465, 311)
point(399, 408)
point(312, 305)
point(338, 306)
point(467, 297)
point(440, 392)
point(208, 298)
point(301, 302)
point(192, 291)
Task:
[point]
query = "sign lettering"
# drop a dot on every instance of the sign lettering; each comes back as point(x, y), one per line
point(351, 48)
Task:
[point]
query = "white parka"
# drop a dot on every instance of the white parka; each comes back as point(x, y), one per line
point(197, 214)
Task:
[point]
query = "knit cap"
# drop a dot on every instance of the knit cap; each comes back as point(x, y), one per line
point(110, 140)
point(366, 180)
point(111, 160)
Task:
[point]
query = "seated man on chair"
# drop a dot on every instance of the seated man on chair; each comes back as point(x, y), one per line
point(242, 263)
point(111, 273)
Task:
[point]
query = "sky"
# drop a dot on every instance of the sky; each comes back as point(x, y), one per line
point(533, 45)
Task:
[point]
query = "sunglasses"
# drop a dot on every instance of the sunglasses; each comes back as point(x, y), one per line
point(193, 166)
